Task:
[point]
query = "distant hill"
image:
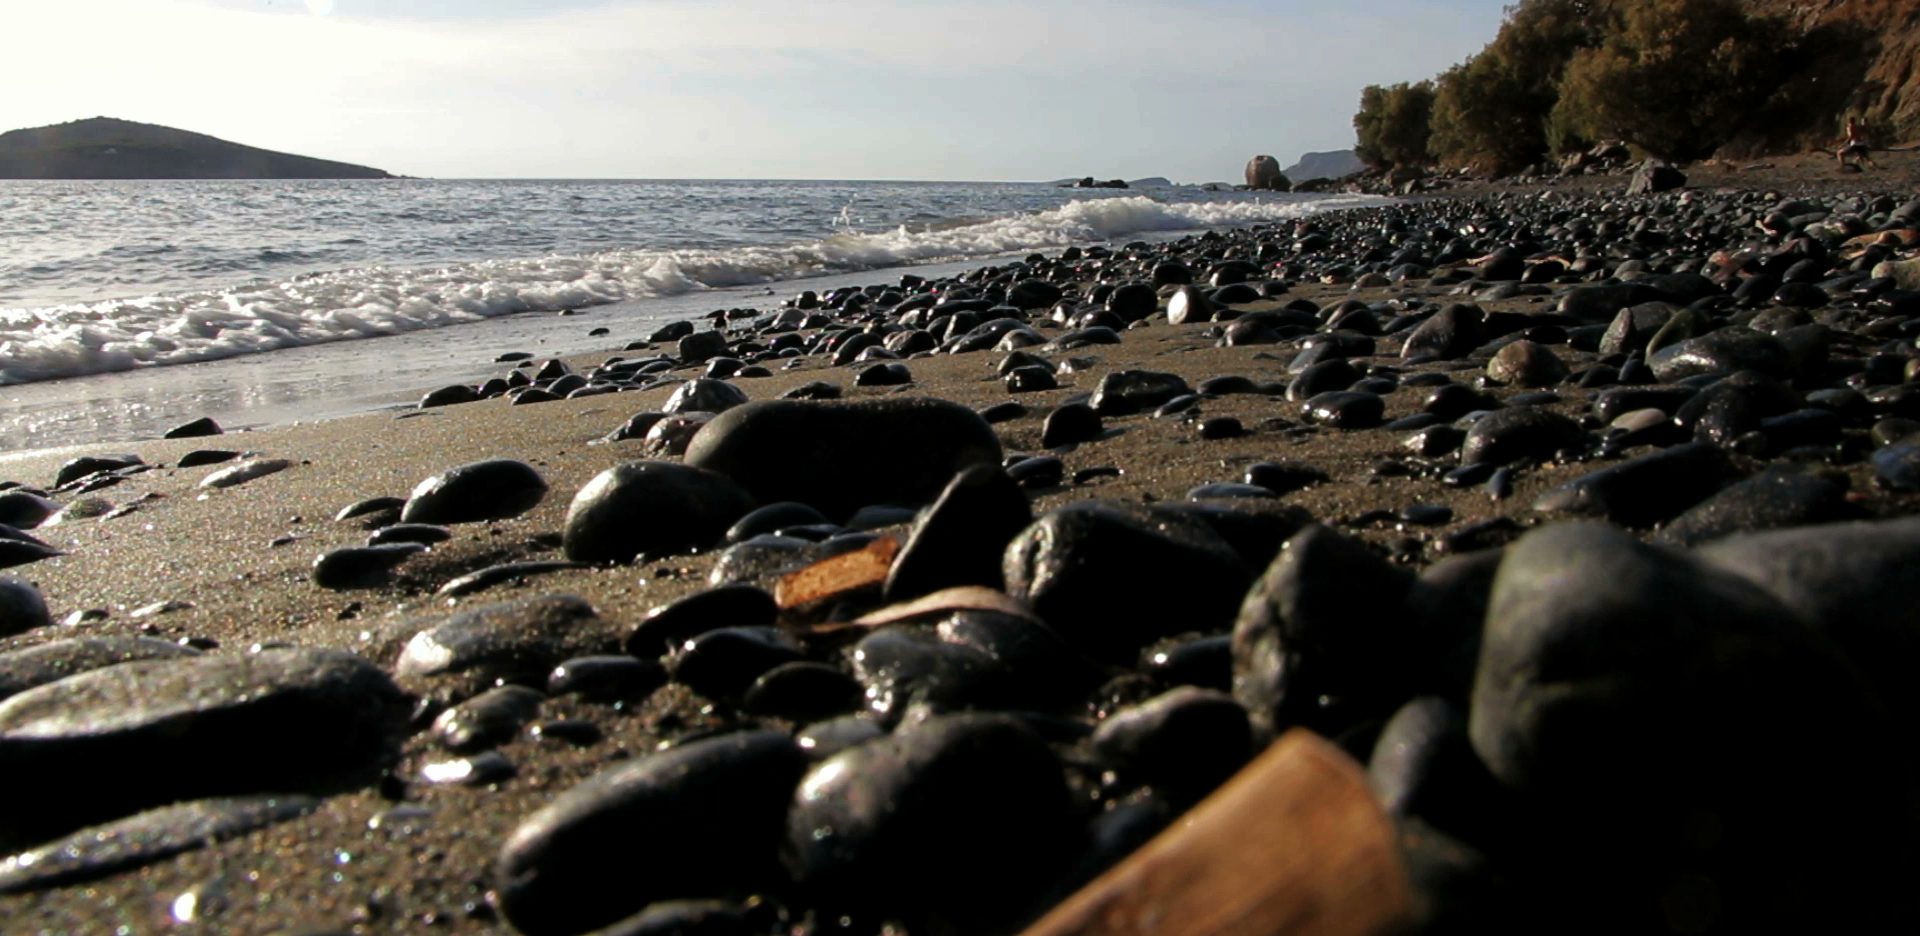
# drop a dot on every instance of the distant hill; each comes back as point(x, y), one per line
point(1335, 165)
point(106, 148)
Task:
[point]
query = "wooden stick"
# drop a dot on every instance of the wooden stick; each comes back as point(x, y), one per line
point(1294, 844)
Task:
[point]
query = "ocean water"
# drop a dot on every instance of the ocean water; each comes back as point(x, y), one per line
point(126, 307)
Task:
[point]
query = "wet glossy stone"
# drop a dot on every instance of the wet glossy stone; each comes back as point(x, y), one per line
point(21, 606)
point(145, 838)
point(668, 626)
point(1643, 491)
point(722, 664)
point(711, 813)
point(361, 566)
point(802, 691)
point(225, 724)
point(861, 820)
point(960, 538)
point(650, 509)
point(839, 457)
point(1099, 576)
point(1069, 424)
point(1345, 409)
point(495, 489)
point(1123, 393)
point(511, 641)
point(1186, 741)
point(703, 395)
point(38, 665)
point(1520, 432)
point(487, 720)
point(607, 678)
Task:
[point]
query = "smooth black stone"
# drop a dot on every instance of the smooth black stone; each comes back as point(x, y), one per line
point(1626, 692)
point(878, 517)
point(518, 641)
point(372, 508)
point(1003, 412)
point(77, 468)
point(1123, 393)
point(813, 390)
point(697, 347)
point(1188, 304)
point(1324, 377)
point(1602, 302)
point(1283, 477)
point(487, 720)
point(1850, 581)
point(423, 533)
point(722, 664)
point(1222, 427)
point(758, 561)
point(890, 374)
point(38, 665)
point(711, 813)
point(284, 720)
point(15, 552)
point(21, 606)
point(1897, 466)
point(650, 509)
point(960, 539)
point(1039, 665)
point(1322, 635)
point(1345, 409)
point(1722, 352)
point(1132, 301)
point(902, 667)
point(1423, 765)
point(450, 395)
point(1069, 424)
point(361, 566)
point(478, 770)
point(198, 457)
point(1097, 576)
point(480, 580)
point(772, 518)
point(607, 678)
point(1227, 385)
point(1456, 400)
point(824, 739)
point(802, 691)
point(1508, 435)
point(24, 510)
point(1204, 662)
point(487, 490)
point(703, 395)
point(1646, 490)
point(1031, 379)
point(1450, 333)
point(1038, 471)
point(145, 838)
point(1427, 514)
point(839, 457)
point(858, 831)
point(1614, 403)
point(1185, 741)
point(1174, 407)
point(1779, 496)
point(1435, 441)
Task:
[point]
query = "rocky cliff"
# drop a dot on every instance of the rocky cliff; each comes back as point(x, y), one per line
point(106, 148)
point(1857, 57)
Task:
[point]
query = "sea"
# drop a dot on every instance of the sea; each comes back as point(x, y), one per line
point(130, 307)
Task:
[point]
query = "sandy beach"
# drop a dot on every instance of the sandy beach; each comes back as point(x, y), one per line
point(224, 569)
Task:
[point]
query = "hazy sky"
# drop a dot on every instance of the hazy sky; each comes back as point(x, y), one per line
point(842, 89)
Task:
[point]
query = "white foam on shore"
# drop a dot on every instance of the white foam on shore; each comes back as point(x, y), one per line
point(98, 337)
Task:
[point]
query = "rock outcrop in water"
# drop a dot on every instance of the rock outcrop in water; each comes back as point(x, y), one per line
point(107, 148)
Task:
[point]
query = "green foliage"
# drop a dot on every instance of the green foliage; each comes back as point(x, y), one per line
point(1675, 77)
point(1393, 123)
point(1493, 111)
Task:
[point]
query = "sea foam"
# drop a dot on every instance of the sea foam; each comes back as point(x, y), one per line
point(96, 337)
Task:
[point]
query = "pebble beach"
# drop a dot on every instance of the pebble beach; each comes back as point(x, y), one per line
point(1581, 520)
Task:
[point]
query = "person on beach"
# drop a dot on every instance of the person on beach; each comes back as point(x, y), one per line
point(1855, 144)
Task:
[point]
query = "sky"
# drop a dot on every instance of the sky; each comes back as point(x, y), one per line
point(766, 89)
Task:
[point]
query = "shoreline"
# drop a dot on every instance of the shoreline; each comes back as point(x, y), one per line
point(396, 853)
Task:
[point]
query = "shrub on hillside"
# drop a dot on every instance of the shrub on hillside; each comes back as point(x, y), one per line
point(1675, 77)
point(1492, 112)
point(1392, 124)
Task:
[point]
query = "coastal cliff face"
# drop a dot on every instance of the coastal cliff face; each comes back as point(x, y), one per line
point(106, 148)
point(1860, 57)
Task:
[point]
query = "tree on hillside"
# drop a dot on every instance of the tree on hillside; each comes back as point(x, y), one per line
point(1675, 77)
point(1492, 111)
point(1393, 123)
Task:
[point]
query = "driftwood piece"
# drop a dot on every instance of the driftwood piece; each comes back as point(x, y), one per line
point(1294, 844)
